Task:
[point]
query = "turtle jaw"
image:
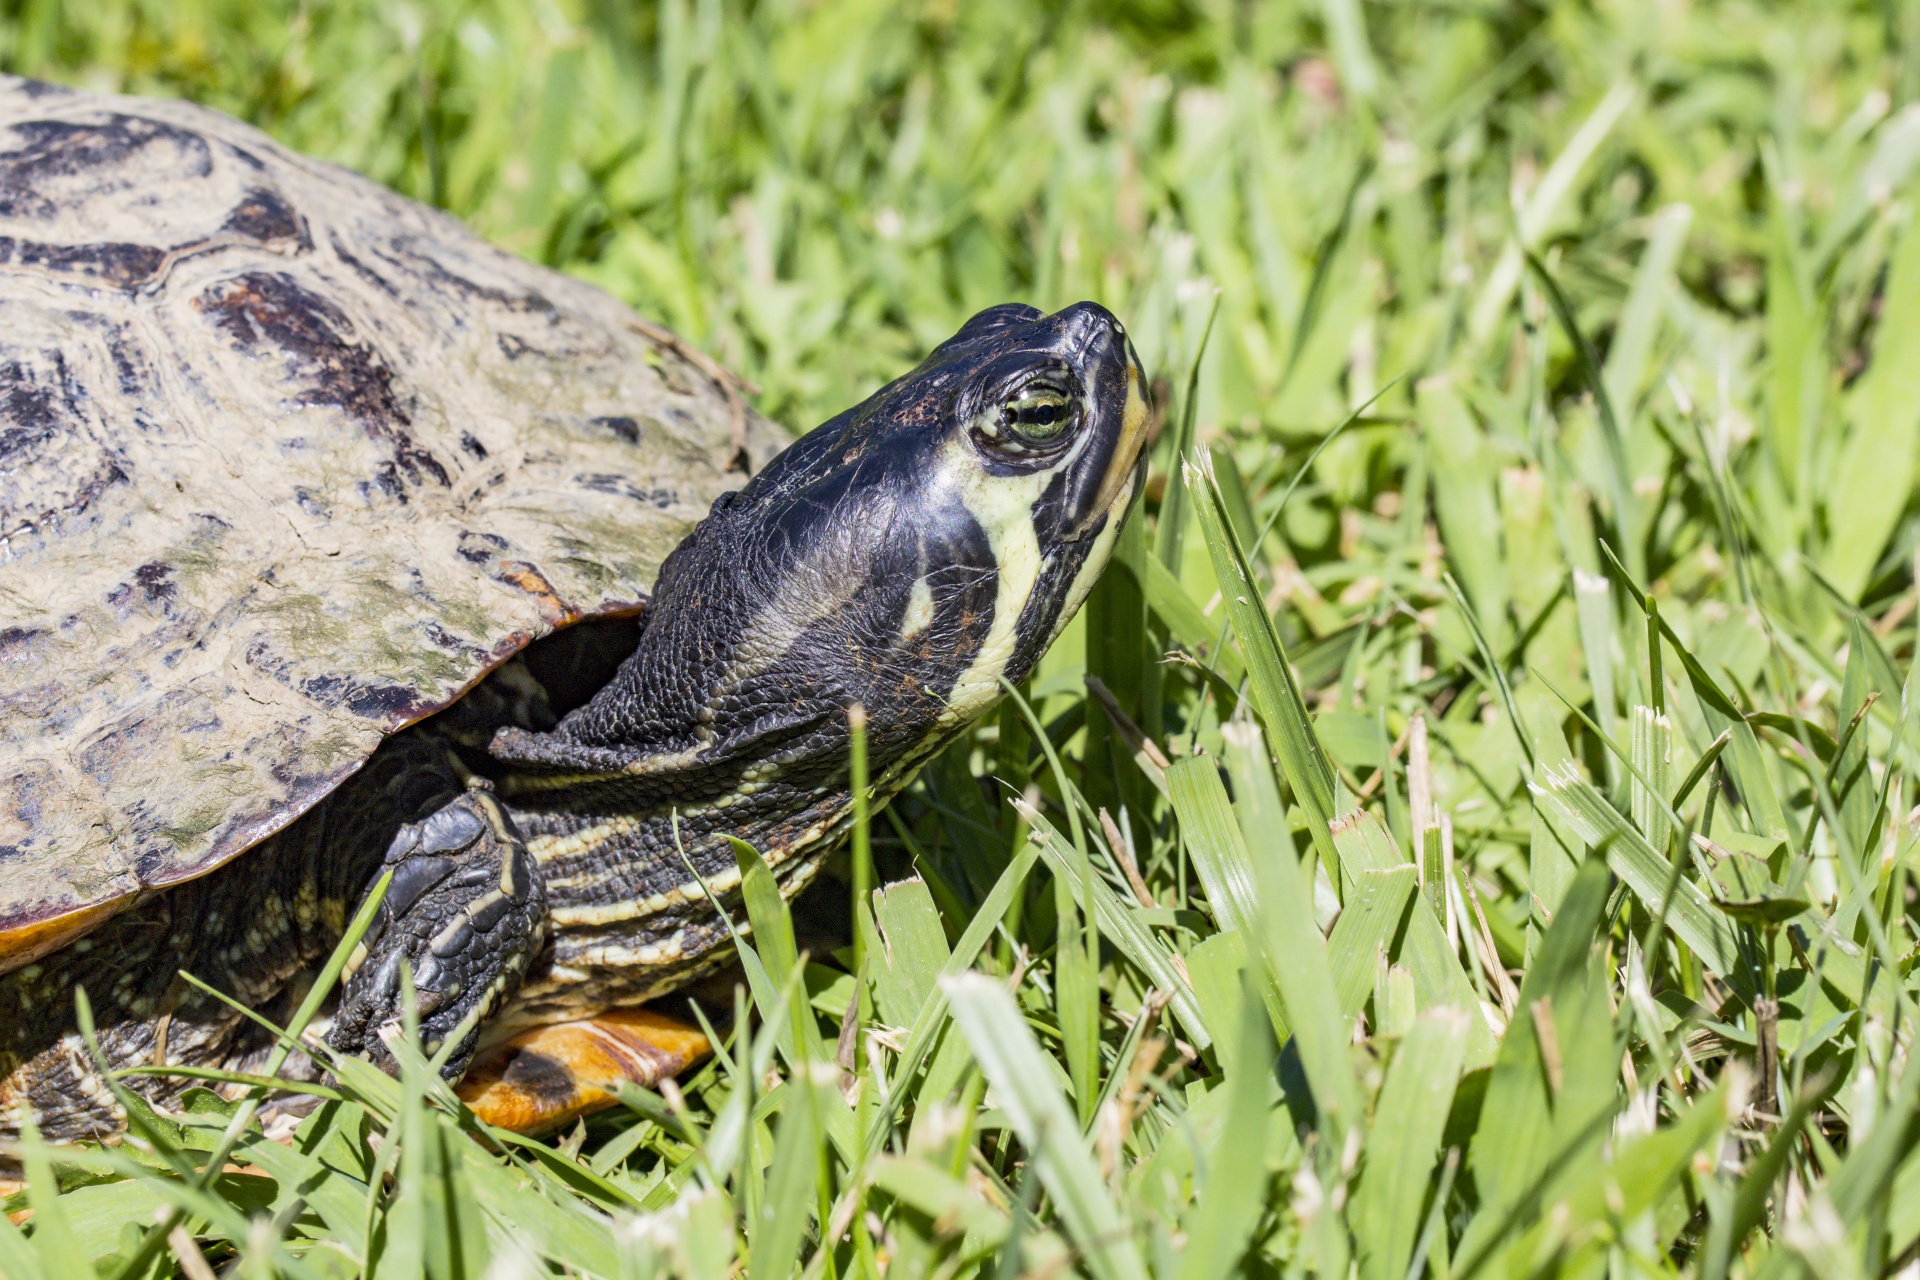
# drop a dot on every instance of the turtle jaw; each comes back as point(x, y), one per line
point(1118, 399)
point(1127, 466)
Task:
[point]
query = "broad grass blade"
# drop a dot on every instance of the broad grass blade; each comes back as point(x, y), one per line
point(1403, 1142)
point(20, 1256)
point(1375, 906)
point(1853, 783)
point(1624, 373)
point(1464, 471)
point(1422, 951)
point(1618, 478)
point(1593, 604)
point(1275, 692)
point(773, 929)
point(1217, 968)
point(1170, 531)
point(1874, 473)
point(1012, 1061)
point(1648, 873)
point(926, 1028)
point(1275, 915)
point(1216, 844)
point(1651, 750)
point(1219, 852)
point(1525, 1127)
point(914, 950)
point(1121, 925)
point(1228, 1206)
point(1076, 990)
point(792, 1180)
point(1296, 954)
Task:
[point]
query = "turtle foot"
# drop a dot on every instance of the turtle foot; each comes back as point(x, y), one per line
point(466, 914)
point(543, 1078)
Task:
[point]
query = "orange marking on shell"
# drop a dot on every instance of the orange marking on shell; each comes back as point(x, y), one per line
point(546, 1077)
point(29, 942)
point(529, 579)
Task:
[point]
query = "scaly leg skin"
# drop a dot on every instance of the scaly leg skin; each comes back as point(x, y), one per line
point(466, 913)
point(547, 1077)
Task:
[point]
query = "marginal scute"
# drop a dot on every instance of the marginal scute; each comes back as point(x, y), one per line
point(286, 463)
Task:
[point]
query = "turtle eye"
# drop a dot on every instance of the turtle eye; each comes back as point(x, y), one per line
point(1037, 415)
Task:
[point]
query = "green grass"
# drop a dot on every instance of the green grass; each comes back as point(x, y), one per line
point(1595, 631)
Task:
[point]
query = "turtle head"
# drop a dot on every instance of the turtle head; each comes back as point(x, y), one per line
point(907, 556)
point(975, 501)
point(919, 547)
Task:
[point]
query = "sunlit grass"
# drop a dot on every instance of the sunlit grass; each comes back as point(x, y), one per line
point(1605, 962)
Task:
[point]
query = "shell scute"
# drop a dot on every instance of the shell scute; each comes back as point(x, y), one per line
point(286, 463)
point(55, 168)
point(270, 315)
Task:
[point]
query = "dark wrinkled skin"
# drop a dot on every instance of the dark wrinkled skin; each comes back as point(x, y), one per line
point(879, 562)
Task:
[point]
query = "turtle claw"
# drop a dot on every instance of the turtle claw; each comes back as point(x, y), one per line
point(465, 913)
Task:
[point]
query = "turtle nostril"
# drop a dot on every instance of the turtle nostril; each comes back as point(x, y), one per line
point(1089, 322)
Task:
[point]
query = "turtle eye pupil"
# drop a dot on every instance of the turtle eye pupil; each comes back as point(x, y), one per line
point(1037, 414)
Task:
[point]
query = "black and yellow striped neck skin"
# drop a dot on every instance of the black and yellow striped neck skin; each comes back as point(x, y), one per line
point(905, 556)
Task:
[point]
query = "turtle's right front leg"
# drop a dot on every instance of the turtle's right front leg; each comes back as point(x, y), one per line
point(466, 912)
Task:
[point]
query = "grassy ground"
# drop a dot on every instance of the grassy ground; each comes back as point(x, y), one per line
point(1596, 623)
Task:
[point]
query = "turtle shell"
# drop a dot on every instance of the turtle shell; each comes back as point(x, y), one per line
point(287, 462)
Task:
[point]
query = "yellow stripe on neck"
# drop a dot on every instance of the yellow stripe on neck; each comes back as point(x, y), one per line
point(1003, 508)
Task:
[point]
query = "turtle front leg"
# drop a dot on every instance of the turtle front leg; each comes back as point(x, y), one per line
point(466, 912)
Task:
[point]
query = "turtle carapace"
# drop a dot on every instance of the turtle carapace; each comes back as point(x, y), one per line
point(303, 463)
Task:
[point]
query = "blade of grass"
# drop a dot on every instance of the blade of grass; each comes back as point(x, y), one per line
point(1011, 1059)
point(1421, 948)
point(1619, 475)
point(1646, 871)
point(1276, 694)
point(1375, 906)
point(1122, 927)
point(1403, 1142)
point(773, 926)
point(774, 1240)
point(1228, 1206)
point(920, 1038)
point(1171, 532)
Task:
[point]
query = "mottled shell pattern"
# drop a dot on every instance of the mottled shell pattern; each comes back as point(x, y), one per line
point(287, 462)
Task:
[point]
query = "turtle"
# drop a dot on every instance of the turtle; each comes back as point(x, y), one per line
point(341, 548)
